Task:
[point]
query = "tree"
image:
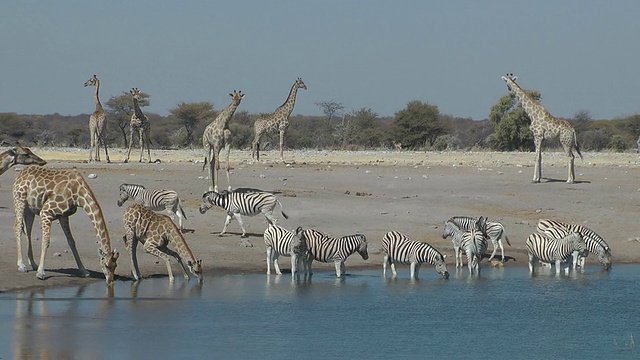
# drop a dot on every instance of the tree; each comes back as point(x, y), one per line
point(190, 115)
point(419, 124)
point(330, 109)
point(120, 108)
point(363, 129)
point(510, 124)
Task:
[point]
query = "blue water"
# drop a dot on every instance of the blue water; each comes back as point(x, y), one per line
point(504, 314)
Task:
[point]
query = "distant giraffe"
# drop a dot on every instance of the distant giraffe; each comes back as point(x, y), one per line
point(156, 232)
point(56, 194)
point(18, 155)
point(545, 126)
point(278, 120)
point(97, 124)
point(139, 123)
point(216, 136)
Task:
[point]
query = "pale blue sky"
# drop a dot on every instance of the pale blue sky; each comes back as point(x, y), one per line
point(580, 54)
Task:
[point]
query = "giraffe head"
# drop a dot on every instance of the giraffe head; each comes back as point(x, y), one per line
point(92, 82)
point(136, 93)
point(300, 84)
point(108, 264)
point(236, 97)
point(510, 79)
point(23, 155)
point(196, 269)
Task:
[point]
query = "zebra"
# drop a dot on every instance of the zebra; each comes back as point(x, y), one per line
point(493, 230)
point(594, 242)
point(397, 248)
point(247, 202)
point(325, 248)
point(472, 242)
point(551, 250)
point(280, 241)
point(155, 200)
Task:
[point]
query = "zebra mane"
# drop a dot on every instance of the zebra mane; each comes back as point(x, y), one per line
point(125, 185)
point(208, 193)
point(246, 189)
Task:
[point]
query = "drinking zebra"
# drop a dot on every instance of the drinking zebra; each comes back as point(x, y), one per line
point(249, 202)
point(325, 248)
point(280, 241)
point(156, 200)
point(397, 248)
point(551, 250)
point(594, 242)
point(493, 230)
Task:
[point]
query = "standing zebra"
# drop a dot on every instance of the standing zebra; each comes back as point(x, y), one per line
point(551, 250)
point(325, 248)
point(453, 229)
point(397, 248)
point(594, 242)
point(156, 200)
point(280, 241)
point(238, 203)
point(493, 230)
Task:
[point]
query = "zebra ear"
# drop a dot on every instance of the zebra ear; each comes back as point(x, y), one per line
point(444, 256)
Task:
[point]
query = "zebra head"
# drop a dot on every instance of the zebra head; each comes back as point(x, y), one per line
point(209, 200)
point(604, 256)
point(450, 229)
point(441, 265)
point(362, 247)
point(299, 242)
point(577, 242)
point(196, 269)
point(124, 194)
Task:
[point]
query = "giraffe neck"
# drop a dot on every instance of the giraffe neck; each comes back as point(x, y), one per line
point(87, 200)
point(226, 114)
point(287, 107)
point(136, 108)
point(6, 161)
point(96, 99)
point(180, 245)
point(530, 105)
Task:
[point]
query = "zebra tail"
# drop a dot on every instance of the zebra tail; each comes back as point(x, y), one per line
point(283, 214)
point(182, 211)
point(506, 238)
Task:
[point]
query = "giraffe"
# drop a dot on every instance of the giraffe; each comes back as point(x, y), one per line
point(216, 136)
point(56, 194)
point(97, 124)
point(18, 155)
point(156, 232)
point(278, 120)
point(545, 126)
point(139, 123)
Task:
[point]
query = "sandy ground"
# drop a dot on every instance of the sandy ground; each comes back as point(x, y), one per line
point(341, 193)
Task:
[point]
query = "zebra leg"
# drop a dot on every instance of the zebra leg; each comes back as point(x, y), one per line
point(268, 214)
point(494, 242)
point(417, 274)
point(338, 265)
point(239, 218)
point(276, 255)
point(269, 259)
point(413, 269)
point(558, 264)
point(226, 223)
point(294, 264)
point(385, 261)
point(501, 249)
point(532, 264)
point(458, 257)
point(393, 268)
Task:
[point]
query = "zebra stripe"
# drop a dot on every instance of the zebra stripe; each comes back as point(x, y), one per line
point(280, 241)
point(493, 230)
point(156, 200)
point(551, 250)
point(397, 248)
point(472, 242)
point(325, 248)
point(246, 202)
point(594, 242)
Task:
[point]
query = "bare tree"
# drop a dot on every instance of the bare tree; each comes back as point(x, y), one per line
point(330, 109)
point(190, 115)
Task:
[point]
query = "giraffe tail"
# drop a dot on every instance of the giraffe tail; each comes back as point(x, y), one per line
point(575, 141)
point(204, 165)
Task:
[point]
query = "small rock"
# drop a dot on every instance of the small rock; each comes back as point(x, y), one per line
point(57, 254)
point(92, 176)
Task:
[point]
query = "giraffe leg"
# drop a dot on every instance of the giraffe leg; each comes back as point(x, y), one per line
point(20, 208)
point(227, 150)
point(282, 145)
point(29, 217)
point(179, 260)
point(537, 171)
point(141, 138)
point(66, 229)
point(131, 243)
point(213, 168)
point(148, 145)
point(106, 152)
point(570, 164)
point(130, 144)
point(46, 239)
point(153, 250)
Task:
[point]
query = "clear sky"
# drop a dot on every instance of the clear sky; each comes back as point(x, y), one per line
point(580, 54)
